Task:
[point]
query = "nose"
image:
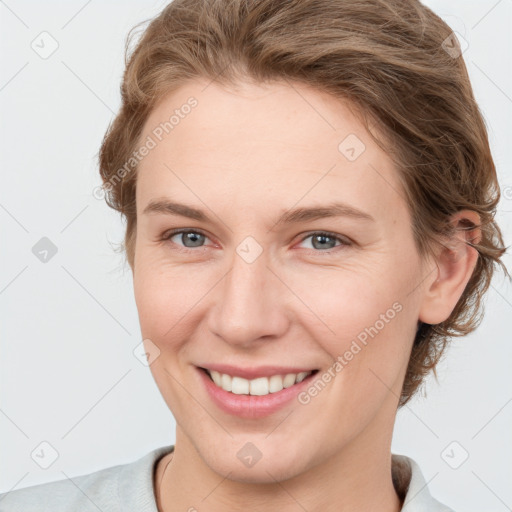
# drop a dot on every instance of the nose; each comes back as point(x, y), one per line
point(249, 304)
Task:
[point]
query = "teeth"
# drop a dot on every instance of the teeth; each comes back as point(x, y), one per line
point(259, 386)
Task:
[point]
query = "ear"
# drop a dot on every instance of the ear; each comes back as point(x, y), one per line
point(455, 263)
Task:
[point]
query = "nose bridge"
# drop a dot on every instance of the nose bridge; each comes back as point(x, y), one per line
point(247, 302)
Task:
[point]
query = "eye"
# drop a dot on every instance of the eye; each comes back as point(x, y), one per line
point(324, 241)
point(190, 238)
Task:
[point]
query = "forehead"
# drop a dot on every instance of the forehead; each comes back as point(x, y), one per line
point(259, 145)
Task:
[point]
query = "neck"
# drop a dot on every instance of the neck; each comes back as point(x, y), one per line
point(358, 478)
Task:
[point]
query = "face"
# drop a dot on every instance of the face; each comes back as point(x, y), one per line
point(259, 279)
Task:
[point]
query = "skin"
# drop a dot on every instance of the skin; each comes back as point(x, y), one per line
point(245, 156)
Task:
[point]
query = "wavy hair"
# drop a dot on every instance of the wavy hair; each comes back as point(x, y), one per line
point(395, 61)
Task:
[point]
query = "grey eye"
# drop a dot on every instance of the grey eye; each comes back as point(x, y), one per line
point(322, 241)
point(190, 239)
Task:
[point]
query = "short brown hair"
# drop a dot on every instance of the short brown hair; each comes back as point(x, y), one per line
point(388, 58)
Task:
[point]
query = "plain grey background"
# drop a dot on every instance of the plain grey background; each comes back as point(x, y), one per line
point(69, 375)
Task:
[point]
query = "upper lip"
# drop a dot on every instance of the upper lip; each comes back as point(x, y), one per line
point(255, 371)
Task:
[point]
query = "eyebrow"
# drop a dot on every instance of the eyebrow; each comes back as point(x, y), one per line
point(296, 215)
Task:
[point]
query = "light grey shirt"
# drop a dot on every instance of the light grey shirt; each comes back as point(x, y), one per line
point(129, 487)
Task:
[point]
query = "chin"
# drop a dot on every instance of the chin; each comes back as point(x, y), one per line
point(244, 462)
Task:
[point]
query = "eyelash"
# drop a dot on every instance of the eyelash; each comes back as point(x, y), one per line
point(166, 236)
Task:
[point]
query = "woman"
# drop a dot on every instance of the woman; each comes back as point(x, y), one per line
point(310, 198)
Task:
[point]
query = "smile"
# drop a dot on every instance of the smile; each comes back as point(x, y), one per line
point(260, 386)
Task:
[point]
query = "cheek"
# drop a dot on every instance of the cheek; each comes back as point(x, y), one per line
point(343, 301)
point(168, 298)
point(368, 336)
point(363, 321)
point(369, 353)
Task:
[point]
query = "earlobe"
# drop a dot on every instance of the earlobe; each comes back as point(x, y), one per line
point(455, 263)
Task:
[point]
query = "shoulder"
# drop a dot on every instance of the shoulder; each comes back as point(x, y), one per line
point(411, 486)
point(87, 492)
point(107, 489)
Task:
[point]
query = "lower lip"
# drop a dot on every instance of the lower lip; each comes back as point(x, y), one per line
point(252, 406)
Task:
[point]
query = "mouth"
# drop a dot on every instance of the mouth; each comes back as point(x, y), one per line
point(259, 386)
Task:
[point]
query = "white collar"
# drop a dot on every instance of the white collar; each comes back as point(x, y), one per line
point(410, 485)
